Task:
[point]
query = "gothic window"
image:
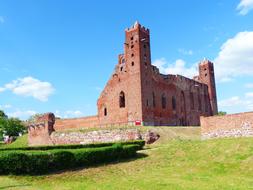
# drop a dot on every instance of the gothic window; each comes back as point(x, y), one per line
point(163, 101)
point(132, 55)
point(174, 103)
point(105, 111)
point(132, 46)
point(132, 63)
point(132, 38)
point(192, 100)
point(123, 61)
point(153, 97)
point(144, 46)
point(122, 102)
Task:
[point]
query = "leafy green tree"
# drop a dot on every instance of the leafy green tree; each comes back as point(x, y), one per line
point(2, 114)
point(221, 113)
point(11, 127)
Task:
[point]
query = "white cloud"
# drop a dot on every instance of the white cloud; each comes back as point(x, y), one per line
point(178, 67)
point(233, 101)
point(235, 57)
point(249, 95)
point(22, 113)
point(245, 6)
point(249, 85)
point(68, 114)
point(2, 20)
point(237, 102)
point(6, 106)
point(30, 87)
point(185, 52)
point(2, 89)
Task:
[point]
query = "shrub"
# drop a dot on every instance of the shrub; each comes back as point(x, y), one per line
point(141, 143)
point(40, 162)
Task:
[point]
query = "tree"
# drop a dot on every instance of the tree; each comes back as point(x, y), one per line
point(11, 127)
point(2, 114)
point(222, 113)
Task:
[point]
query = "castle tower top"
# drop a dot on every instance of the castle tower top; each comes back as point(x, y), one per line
point(137, 25)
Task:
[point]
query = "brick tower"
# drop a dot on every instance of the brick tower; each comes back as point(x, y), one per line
point(206, 76)
point(138, 58)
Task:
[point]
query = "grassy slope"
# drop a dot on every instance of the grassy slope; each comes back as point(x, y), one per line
point(20, 142)
point(172, 163)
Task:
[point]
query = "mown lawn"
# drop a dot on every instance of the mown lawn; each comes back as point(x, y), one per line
point(177, 161)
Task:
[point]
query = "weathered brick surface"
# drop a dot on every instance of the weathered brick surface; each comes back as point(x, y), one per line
point(234, 125)
point(100, 136)
point(42, 132)
point(144, 87)
point(76, 123)
point(39, 132)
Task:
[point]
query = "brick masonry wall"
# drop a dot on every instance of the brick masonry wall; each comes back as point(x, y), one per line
point(100, 136)
point(76, 123)
point(234, 125)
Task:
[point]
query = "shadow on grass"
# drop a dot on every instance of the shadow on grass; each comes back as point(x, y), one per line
point(138, 156)
point(95, 165)
point(13, 186)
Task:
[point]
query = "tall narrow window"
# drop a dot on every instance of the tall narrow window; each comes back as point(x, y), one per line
point(163, 101)
point(153, 97)
point(174, 103)
point(122, 102)
point(105, 111)
point(192, 100)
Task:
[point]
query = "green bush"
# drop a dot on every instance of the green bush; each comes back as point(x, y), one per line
point(137, 142)
point(40, 162)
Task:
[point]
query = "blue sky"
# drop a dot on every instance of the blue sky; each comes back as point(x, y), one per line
point(57, 55)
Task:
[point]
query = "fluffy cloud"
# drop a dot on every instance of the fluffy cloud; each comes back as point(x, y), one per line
point(235, 57)
point(22, 113)
point(178, 67)
point(6, 106)
point(68, 114)
point(246, 102)
point(185, 52)
point(249, 95)
point(245, 6)
point(2, 20)
point(30, 87)
point(249, 85)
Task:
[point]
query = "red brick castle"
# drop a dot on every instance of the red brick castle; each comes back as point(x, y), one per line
point(138, 94)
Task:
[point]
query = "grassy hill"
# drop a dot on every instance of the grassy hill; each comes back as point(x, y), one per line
point(179, 160)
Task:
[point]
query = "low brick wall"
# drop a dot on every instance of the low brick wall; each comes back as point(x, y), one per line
point(100, 136)
point(76, 123)
point(233, 125)
point(42, 131)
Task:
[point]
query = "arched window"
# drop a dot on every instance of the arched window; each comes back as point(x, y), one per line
point(163, 101)
point(105, 111)
point(122, 101)
point(174, 103)
point(192, 100)
point(153, 97)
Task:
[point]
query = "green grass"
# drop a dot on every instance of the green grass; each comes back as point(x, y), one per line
point(179, 160)
point(20, 142)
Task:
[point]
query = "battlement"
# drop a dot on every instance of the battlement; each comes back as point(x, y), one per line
point(136, 26)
